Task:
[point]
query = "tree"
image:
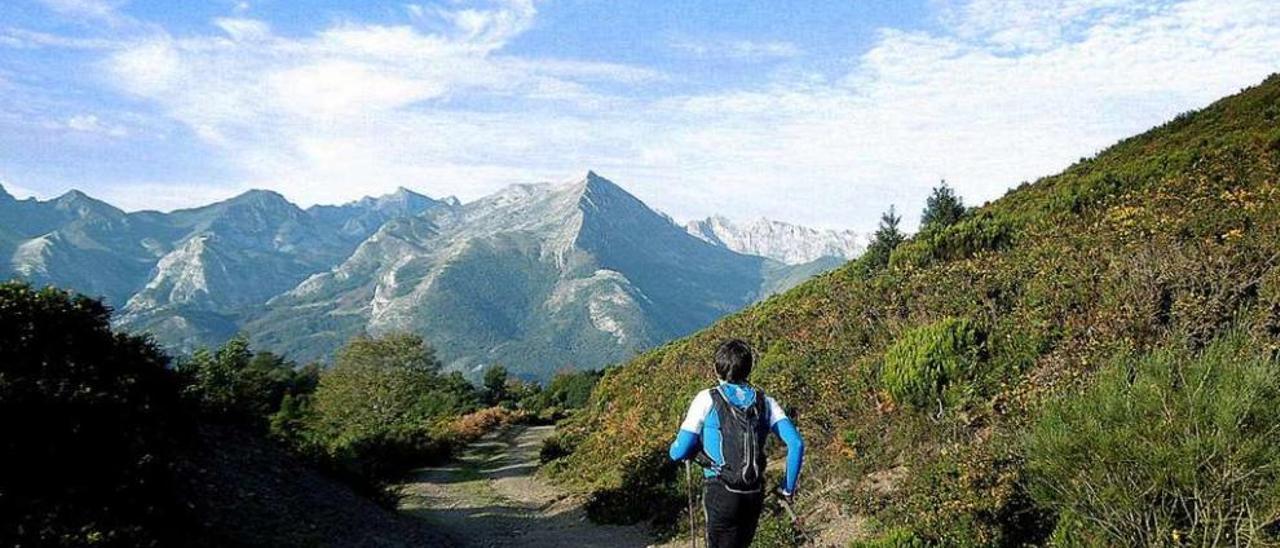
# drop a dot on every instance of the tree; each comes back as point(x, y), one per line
point(90, 421)
point(943, 208)
point(374, 409)
point(374, 387)
point(887, 237)
point(233, 382)
point(495, 384)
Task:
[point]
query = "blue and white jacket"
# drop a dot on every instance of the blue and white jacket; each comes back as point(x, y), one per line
point(701, 428)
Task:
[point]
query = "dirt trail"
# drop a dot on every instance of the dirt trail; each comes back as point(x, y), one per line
point(491, 496)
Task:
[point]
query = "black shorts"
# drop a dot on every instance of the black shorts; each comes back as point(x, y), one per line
point(731, 517)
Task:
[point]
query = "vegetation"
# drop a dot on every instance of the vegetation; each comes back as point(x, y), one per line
point(943, 208)
point(923, 362)
point(380, 408)
point(1156, 246)
point(89, 418)
point(235, 383)
point(886, 238)
point(104, 441)
point(1173, 447)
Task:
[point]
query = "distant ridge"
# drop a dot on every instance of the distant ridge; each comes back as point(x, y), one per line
point(785, 242)
point(538, 277)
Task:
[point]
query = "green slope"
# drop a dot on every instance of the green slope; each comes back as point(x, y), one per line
point(1168, 235)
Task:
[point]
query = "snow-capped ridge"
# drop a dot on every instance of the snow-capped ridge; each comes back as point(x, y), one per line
point(781, 241)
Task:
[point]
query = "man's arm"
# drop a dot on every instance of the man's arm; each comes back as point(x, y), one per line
point(785, 429)
point(686, 444)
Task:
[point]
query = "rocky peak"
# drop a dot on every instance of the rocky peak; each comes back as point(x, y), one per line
point(82, 205)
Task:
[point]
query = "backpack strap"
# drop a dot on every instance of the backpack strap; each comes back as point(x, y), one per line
point(721, 407)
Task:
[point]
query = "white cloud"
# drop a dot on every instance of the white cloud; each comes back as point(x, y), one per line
point(737, 49)
point(18, 191)
point(103, 10)
point(27, 39)
point(961, 105)
point(241, 29)
point(89, 123)
point(999, 94)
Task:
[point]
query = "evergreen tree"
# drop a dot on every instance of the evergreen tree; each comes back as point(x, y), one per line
point(943, 208)
point(495, 384)
point(232, 382)
point(886, 238)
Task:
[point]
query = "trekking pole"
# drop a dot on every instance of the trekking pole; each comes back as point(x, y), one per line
point(796, 523)
point(688, 488)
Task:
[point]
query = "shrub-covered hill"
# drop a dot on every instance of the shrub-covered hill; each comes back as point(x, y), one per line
point(916, 384)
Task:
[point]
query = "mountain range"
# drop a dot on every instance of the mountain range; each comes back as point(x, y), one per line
point(785, 242)
point(538, 277)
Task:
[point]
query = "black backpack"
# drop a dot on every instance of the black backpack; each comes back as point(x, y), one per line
point(743, 433)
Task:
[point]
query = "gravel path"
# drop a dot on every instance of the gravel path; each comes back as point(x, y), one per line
point(491, 496)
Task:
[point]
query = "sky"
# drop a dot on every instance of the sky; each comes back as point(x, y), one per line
point(818, 113)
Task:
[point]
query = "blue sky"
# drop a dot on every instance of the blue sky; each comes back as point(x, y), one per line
point(821, 113)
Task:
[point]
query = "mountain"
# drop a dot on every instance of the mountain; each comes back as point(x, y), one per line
point(918, 384)
point(237, 254)
point(189, 275)
point(77, 241)
point(536, 277)
point(361, 218)
point(785, 242)
point(233, 254)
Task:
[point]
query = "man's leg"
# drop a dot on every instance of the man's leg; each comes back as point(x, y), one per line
point(721, 508)
point(731, 517)
point(749, 508)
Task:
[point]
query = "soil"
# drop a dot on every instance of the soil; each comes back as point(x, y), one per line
point(492, 496)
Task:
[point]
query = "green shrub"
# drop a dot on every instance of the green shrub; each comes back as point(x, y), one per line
point(924, 361)
point(966, 238)
point(894, 538)
point(1169, 448)
point(776, 531)
point(648, 491)
point(232, 382)
point(90, 421)
point(374, 410)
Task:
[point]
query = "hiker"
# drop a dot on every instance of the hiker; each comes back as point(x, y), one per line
point(725, 430)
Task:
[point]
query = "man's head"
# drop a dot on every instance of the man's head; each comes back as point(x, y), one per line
point(733, 361)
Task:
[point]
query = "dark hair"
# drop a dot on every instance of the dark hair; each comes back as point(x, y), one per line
point(733, 360)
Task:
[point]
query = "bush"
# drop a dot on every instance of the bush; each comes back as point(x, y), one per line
point(775, 530)
point(89, 420)
point(966, 238)
point(894, 538)
point(554, 448)
point(234, 383)
point(472, 426)
point(924, 361)
point(375, 408)
point(648, 490)
point(1168, 448)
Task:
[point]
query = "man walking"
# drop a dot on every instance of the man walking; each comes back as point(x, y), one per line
point(728, 425)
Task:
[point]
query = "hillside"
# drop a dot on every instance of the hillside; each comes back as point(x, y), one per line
point(1163, 240)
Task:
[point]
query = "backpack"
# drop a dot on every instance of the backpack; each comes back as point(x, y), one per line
point(743, 433)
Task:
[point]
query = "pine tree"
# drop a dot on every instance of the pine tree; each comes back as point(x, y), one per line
point(886, 238)
point(495, 384)
point(943, 208)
